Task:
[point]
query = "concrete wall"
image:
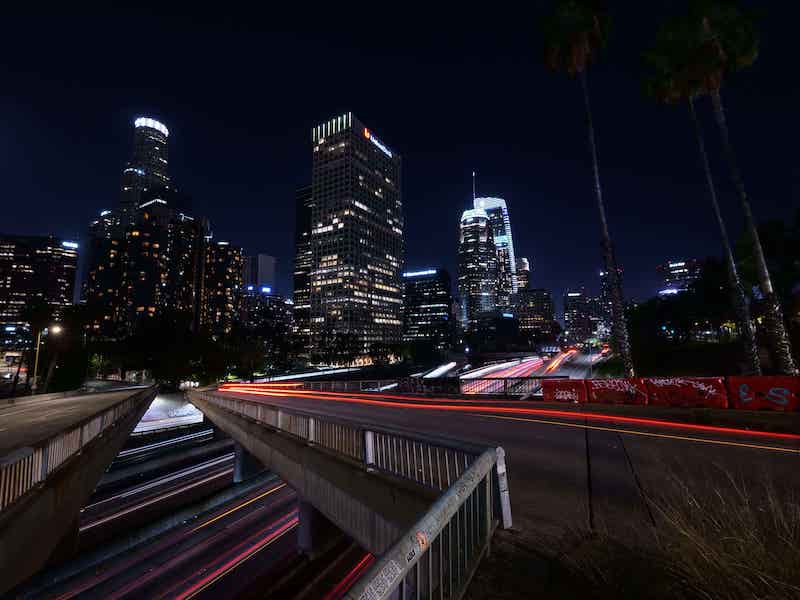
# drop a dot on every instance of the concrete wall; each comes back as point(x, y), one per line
point(372, 508)
point(44, 521)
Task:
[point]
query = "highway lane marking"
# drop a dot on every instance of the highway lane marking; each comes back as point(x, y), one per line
point(235, 508)
point(645, 434)
point(238, 560)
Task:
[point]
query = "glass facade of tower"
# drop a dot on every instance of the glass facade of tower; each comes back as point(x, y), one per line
point(302, 264)
point(356, 236)
point(477, 267)
point(31, 268)
point(427, 304)
point(222, 286)
point(147, 168)
point(578, 324)
point(535, 312)
point(497, 211)
point(523, 274)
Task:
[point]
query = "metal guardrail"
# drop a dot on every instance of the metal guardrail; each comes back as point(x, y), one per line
point(23, 469)
point(452, 536)
point(369, 385)
point(484, 386)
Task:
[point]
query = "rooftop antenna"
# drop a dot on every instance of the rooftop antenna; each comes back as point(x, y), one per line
point(473, 188)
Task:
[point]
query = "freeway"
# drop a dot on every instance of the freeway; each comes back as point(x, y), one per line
point(568, 469)
point(216, 555)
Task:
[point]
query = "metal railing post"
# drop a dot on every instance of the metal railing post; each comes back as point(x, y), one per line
point(502, 484)
point(312, 430)
point(369, 449)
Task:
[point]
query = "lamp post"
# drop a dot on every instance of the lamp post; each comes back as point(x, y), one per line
point(55, 329)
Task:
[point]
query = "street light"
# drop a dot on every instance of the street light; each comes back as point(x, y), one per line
point(55, 330)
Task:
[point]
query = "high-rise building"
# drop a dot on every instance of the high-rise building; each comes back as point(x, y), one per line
point(147, 168)
point(259, 271)
point(578, 324)
point(477, 267)
point(535, 312)
point(35, 268)
point(302, 263)
point(150, 265)
point(262, 310)
point(222, 286)
point(497, 211)
point(427, 302)
point(523, 274)
point(356, 235)
point(678, 275)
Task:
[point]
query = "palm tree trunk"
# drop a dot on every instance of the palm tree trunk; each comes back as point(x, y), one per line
point(619, 329)
point(16, 375)
point(776, 329)
point(737, 290)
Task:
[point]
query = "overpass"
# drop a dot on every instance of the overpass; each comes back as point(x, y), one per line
point(53, 450)
point(570, 466)
point(425, 505)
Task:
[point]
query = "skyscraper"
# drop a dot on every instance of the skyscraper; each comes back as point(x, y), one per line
point(497, 211)
point(477, 267)
point(523, 273)
point(35, 268)
point(578, 324)
point(427, 303)
point(535, 312)
point(302, 264)
point(222, 287)
point(356, 235)
point(147, 168)
point(678, 275)
point(259, 271)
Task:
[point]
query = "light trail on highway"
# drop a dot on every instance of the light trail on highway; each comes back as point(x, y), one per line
point(397, 401)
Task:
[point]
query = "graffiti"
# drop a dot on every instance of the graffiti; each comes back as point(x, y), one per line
point(568, 395)
point(615, 385)
point(779, 396)
point(702, 387)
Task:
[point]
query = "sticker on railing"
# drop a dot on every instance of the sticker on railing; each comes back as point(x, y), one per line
point(383, 582)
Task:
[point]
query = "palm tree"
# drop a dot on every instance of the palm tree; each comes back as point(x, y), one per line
point(723, 40)
point(669, 86)
point(574, 33)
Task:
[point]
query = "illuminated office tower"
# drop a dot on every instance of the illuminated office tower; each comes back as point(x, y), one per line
point(302, 264)
point(427, 303)
point(222, 287)
point(259, 271)
point(477, 267)
point(578, 308)
point(35, 268)
point(147, 168)
point(497, 211)
point(356, 236)
point(523, 273)
point(535, 312)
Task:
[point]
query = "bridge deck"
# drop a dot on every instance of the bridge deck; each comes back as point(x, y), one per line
point(30, 420)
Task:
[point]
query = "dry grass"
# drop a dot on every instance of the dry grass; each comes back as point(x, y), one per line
point(729, 542)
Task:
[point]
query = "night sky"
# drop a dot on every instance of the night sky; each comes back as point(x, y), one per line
point(451, 95)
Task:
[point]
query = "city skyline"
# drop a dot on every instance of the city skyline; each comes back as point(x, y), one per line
point(233, 164)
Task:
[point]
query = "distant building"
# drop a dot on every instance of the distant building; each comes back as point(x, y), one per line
point(578, 325)
point(678, 275)
point(262, 311)
point(222, 286)
point(147, 168)
point(302, 263)
point(535, 312)
point(427, 302)
point(33, 268)
point(477, 267)
point(259, 271)
point(497, 211)
point(356, 236)
point(523, 274)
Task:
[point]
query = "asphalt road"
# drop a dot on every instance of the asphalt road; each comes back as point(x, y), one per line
point(30, 420)
point(567, 470)
point(215, 556)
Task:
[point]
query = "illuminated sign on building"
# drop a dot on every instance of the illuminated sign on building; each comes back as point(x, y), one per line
point(72, 245)
point(152, 124)
point(377, 142)
point(419, 273)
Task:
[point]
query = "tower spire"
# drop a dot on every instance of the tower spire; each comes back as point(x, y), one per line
point(473, 188)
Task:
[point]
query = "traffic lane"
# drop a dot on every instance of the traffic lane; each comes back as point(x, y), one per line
point(126, 573)
point(547, 455)
point(31, 422)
